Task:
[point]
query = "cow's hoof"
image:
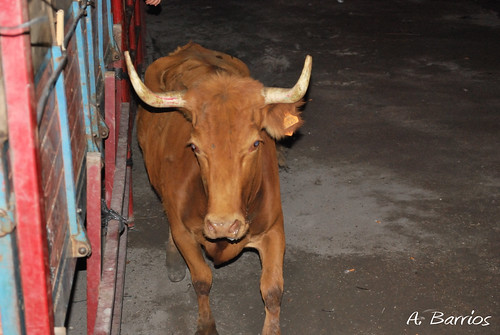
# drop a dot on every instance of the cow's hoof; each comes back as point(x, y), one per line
point(176, 267)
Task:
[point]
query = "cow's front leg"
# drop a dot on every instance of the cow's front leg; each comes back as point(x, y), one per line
point(271, 250)
point(201, 276)
point(176, 267)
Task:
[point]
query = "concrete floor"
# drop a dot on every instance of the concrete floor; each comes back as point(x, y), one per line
point(392, 192)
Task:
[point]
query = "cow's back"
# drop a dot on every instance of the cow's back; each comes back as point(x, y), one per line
point(187, 65)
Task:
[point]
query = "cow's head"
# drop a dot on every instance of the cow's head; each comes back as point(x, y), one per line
point(231, 117)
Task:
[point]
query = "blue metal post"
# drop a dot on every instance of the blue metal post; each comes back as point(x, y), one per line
point(77, 233)
point(83, 62)
point(100, 36)
point(109, 13)
point(92, 75)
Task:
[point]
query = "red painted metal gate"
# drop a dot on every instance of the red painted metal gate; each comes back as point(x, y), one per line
point(64, 145)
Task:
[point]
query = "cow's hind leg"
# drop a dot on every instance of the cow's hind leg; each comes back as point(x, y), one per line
point(201, 276)
point(176, 267)
point(271, 250)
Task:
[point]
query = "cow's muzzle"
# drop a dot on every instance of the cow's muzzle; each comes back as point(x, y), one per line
point(231, 228)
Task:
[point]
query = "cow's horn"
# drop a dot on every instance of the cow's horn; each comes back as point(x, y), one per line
point(274, 95)
point(161, 100)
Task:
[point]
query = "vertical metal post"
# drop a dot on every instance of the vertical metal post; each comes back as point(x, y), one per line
point(83, 62)
point(132, 43)
point(11, 313)
point(91, 74)
point(100, 38)
point(110, 266)
point(80, 244)
point(23, 140)
point(110, 20)
point(94, 162)
point(118, 12)
point(110, 143)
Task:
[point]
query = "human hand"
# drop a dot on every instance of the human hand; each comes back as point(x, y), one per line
point(153, 2)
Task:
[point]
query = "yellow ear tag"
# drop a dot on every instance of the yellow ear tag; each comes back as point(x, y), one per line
point(289, 121)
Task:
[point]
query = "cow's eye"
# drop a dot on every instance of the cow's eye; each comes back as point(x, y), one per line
point(255, 145)
point(194, 148)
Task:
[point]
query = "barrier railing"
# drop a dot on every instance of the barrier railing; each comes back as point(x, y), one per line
point(66, 107)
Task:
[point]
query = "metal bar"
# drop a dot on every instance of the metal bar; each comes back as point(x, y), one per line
point(11, 313)
point(31, 232)
point(120, 277)
point(100, 36)
point(81, 46)
point(110, 262)
point(120, 285)
point(91, 74)
point(80, 245)
point(109, 13)
point(117, 6)
point(119, 93)
point(94, 163)
point(122, 88)
point(130, 202)
point(132, 43)
point(110, 143)
point(140, 25)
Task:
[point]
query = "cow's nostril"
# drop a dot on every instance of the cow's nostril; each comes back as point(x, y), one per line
point(235, 227)
point(210, 226)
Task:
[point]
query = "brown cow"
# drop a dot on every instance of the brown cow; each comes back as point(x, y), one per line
point(214, 164)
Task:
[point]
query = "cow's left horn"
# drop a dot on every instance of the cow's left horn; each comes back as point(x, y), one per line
point(274, 95)
point(161, 100)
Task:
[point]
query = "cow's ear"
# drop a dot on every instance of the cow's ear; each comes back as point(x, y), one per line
point(282, 120)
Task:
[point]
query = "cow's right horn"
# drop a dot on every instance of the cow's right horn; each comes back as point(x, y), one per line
point(274, 95)
point(161, 100)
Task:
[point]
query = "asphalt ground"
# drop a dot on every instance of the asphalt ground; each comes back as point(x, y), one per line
point(391, 192)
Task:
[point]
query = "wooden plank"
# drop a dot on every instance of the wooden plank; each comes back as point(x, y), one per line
point(74, 100)
point(52, 174)
point(57, 226)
